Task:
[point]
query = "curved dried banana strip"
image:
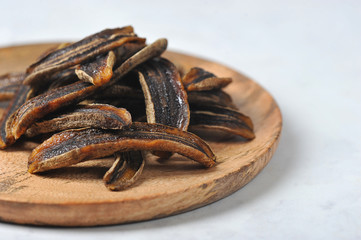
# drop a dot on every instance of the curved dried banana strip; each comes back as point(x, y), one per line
point(9, 79)
point(165, 98)
point(6, 136)
point(126, 50)
point(9, 84)
point(197, 79)
point(73, 146)
point(126, 169)
point(221, 118)
point(212, 97)
point(151, 51)
point(79, 52)
point(102, 116)
point(8, 92)
point(52, 49)
point(41, 105)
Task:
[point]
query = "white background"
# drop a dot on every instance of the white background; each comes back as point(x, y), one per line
point(307, 54)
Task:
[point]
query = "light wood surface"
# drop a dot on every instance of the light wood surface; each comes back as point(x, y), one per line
point(76, 195)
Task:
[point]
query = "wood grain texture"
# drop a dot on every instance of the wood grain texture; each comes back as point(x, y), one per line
point(76, 196)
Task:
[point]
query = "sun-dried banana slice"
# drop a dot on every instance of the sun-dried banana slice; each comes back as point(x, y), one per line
point(6, 135)
point(102, 116)
point(73, 146)
point(126, 169)
point(197, 79)
point(79, 52)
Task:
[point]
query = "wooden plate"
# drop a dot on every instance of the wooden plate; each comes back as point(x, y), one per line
point(76, 196)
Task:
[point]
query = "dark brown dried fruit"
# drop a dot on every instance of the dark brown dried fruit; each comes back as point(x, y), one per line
point(197, 79)
point(53, 49)
point(221, 118)
point(6, 136)
point(99, 71)
point(127, 50)
point(43, 104)
point(79, 52)
point(15, 78)
point(8, 92)
point(214, 110)
point(73, 146)
point(165, 98)
point(83, 116)
point(125, 171)
point(217, 97)
point(9, 84)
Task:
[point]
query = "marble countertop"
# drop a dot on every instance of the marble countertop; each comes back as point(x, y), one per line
point(307, 54)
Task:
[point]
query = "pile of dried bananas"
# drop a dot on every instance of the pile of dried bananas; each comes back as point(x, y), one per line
point(111, 93)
